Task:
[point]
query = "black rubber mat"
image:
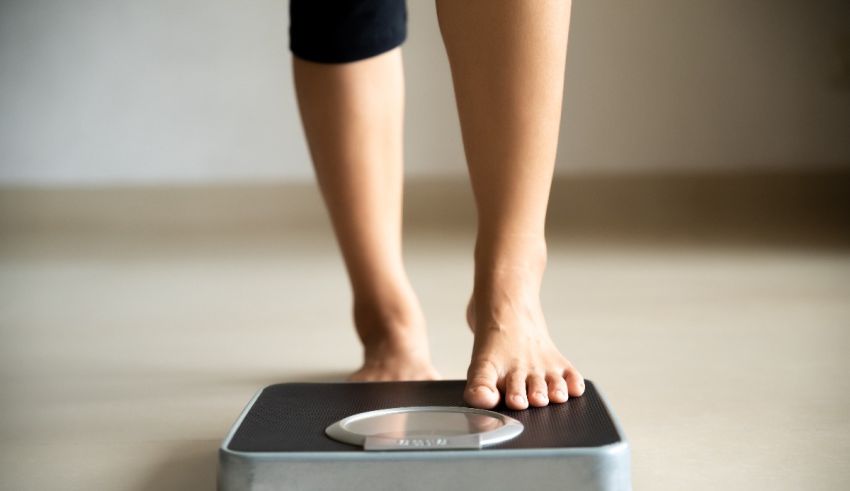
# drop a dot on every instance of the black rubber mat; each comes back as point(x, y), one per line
point(293, 417)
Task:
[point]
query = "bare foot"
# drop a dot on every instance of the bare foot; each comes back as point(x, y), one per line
point(395, 342)
point(389, 363)
point(513, 355)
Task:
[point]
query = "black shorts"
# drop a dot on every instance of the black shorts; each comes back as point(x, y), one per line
point(340, 31)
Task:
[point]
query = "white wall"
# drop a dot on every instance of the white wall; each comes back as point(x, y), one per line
point(116, 91)
point(694, 84)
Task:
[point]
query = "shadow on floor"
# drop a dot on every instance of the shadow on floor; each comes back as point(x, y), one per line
point(193, 464)
point(316, 377)
point(189, 466)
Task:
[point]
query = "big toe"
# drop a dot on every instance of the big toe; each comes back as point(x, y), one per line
point(481, 391)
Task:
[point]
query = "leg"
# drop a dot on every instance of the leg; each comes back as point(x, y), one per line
point(352, 117)
point(507, 59)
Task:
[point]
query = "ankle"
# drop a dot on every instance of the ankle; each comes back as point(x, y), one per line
point(509, 262)
point(392, 321)
point(508, 276)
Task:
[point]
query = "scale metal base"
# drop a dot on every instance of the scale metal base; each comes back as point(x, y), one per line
point(295, 437)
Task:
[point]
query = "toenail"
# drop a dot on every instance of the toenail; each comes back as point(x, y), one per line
point(483, 388)
point(541, 395)
point(561, 394)
point(519, 398)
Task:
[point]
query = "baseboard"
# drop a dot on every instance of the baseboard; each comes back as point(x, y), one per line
point(787, 207)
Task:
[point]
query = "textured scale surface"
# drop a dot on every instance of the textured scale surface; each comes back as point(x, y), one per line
point(292, 417)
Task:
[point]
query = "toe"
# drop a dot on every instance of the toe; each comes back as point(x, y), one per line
point(515, 396)
point(481, 391)
point(538, 394)
point(575, 382)
point(557, 387)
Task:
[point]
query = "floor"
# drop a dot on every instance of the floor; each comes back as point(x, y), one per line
point(125, 355)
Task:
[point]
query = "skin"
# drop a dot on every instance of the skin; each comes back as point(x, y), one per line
point(353, 115)
point(507, 60)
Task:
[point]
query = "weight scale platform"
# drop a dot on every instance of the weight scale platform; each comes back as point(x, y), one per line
point(419, 436)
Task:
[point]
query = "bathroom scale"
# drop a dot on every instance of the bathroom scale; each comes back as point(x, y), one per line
point(419, 436)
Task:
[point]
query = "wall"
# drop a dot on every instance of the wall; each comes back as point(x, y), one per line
point(97, 91)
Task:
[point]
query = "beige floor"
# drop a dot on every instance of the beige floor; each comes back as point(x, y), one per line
point(125, 356)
